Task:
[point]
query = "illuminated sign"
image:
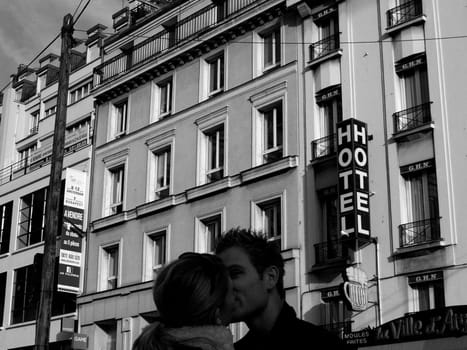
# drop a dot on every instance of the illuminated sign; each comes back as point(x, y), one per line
point(353, 188)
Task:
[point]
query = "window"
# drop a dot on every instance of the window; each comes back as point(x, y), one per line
point(106, 335)
point(109, 267)
point(214, 139)
point(209, 231)
point(330, 113)
point(427, 291)
point(162, 171)
point(25, 295)
point(32, 218)
point(155, 254)
point(77, 94)
point(271, 133)
point(268, 219)
point(119, 119)
point(271, 48)
point(116, 191)
point(164, 98)
point(327, 24)
point(421, 204)
point(6, 212)
point(34, 122)
point(329, 221)
point(2, 295)
point(50, 111)
point(336, 315)
point(216, 74)
point(24, 154)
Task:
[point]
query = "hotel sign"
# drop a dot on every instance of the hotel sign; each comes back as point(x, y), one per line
point(70, 256)
point(353, 187)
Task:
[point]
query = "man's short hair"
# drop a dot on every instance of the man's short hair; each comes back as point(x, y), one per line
point(262, 253)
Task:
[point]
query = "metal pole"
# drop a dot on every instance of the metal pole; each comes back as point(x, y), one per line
point(53, 193)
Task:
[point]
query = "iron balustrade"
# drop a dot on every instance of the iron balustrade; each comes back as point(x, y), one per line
point(324, 47)
point(404, 13)
point(419, 232)
point(412, 118)
point(25, 165)
point(156, 45)
point(324, 146)
point(329, 251)
point(338, 327)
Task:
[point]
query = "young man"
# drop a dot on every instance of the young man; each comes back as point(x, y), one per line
point(257, 270)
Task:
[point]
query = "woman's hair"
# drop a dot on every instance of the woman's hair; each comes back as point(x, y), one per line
point(187, 292)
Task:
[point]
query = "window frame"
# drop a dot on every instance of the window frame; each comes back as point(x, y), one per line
point(206, 91)
point(158, 87)
point(434, 293)
point(258, 214)
point(119, 122)
point(150, 270)
point(111, 163)
point(203, 234)
point(6, 224)
point(30, 218)
point(104, 277)
point(259, 51)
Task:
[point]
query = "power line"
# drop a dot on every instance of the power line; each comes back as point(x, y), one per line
point(82, 10)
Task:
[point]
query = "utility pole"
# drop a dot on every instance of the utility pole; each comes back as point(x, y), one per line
point(53, 193)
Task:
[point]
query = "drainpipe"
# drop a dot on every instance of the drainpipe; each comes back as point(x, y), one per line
point(374, 240)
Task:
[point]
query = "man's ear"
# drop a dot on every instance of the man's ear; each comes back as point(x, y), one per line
point(271, 276)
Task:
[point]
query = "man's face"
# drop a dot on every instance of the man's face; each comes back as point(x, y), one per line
point(249, 288)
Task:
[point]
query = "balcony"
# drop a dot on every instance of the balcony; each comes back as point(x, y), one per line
point(338, 327)
point(324, 47)
point(404, 13)
point(324, 147)
point(330, 252)
point(419, 232)
point(412, 120)
point(192, 26)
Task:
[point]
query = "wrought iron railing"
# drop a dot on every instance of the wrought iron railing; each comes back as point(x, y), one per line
point(412, 118)
point(324, 146)
point(419, 232)
point(329, 251)
point(404, 13)
point(187, 28)
point(324, 47)
point(35, 160)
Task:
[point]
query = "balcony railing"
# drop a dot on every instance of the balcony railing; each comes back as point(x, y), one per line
point(338, 327)
point(324, 146)
point(324, 47)
point(404, 13)
point(329, 251)
point(187, 28)
point(412, 118)
point(40, 157)
point(419, 232)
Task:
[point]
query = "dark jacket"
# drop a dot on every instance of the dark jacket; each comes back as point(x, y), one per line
point(289, 332)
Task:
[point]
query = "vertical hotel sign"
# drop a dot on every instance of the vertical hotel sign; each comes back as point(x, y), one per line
point(352, 157)
point(69, 267)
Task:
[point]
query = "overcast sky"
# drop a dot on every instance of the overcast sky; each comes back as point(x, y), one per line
point(28, 26)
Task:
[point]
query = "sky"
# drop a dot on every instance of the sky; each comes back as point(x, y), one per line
point(28, 26)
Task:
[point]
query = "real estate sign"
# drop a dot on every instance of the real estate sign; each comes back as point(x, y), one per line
point(70, 258)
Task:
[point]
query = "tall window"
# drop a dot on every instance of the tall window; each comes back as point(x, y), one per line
point(336, 316)
point(6, 211)
point(155, 256)
point(271, 48)
point(164, 97)
point(421, 201)
point(214, 139)
point(2, 295)
point(25, 295)
point(329, 221)
point(32, 218)
point(216, 74)
point(77, 94)
point(109, 267)
point(328, 32)
point(427, 291)
point(162, 171)
point(414, 83)
point(272, 133)
point(268, 219)
point(34, 122)
point(116, 190)
point(119, 119)
point(209, 232)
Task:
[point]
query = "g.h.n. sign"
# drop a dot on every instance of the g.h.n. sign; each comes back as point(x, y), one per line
point(352, 159)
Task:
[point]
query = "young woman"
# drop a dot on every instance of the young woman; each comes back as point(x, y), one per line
point(194, 298)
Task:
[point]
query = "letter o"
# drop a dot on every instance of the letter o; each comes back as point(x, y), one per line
point(360, 157)
point(345, 162)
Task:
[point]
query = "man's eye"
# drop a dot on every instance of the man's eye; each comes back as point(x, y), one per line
point(234, 273)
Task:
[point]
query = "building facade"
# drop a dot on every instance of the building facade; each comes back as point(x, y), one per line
point(335, 127)
point(26, 137)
